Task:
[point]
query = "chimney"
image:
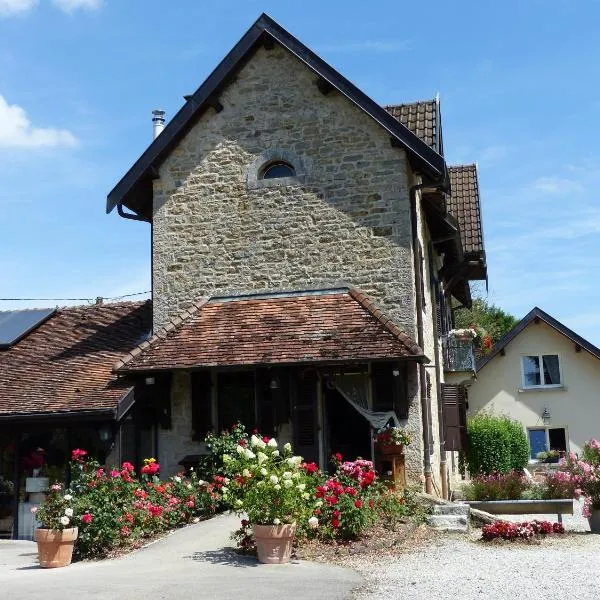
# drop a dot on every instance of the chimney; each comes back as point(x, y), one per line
point(158, 122)
point(99, 300)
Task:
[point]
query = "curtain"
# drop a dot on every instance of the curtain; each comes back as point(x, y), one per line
point(551, 369)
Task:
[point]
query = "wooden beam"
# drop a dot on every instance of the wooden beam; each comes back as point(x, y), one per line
point(214, 102)
point(577, 348)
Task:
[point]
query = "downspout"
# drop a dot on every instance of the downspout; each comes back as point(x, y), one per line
point(421, 342)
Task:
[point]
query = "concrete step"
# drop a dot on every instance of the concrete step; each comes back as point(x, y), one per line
point(454, 523)
point(452, 509)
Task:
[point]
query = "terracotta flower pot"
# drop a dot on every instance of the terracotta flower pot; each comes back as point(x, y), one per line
point(390, 449)
point(274, 543)
point(55, 547)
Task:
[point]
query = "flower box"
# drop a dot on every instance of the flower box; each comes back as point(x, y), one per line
point(390, 449)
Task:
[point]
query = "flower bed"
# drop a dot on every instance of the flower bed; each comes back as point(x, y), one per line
point(526, 530)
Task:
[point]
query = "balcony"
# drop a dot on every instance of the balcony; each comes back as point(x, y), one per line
point(458, 354)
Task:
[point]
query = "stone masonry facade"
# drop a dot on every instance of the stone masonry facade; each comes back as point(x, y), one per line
point(343, 220)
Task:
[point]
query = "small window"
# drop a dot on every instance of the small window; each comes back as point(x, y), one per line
point(278, 169)
point(541, 371)
point(542, 439)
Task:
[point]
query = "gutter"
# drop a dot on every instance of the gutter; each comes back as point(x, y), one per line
point(125, 215)
point(427, 472)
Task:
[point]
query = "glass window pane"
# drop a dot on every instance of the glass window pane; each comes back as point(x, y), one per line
point(236, 399)
point(531, 371)
point(537, 441)
point(558, 439)
point(279, 170)
point(551, 369)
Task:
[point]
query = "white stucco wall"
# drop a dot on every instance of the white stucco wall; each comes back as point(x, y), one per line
point(576, 406)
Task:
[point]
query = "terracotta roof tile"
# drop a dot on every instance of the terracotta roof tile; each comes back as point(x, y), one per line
point(464, 204)
point(421, 118)
point(311, 327)
point(66, 363)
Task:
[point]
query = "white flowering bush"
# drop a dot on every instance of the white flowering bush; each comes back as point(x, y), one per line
point(268, 484)
point(57, 510)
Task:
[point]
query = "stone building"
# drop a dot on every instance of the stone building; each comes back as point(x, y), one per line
point(304, 261)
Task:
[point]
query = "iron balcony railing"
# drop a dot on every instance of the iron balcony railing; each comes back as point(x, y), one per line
point(458, 354)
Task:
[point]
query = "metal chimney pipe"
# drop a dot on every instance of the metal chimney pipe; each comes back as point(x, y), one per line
point(158, 122)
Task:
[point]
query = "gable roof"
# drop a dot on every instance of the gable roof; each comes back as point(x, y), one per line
point(134, 190)
point(65, 365)
point(539, 314)
point(465, 205)
point(423, 119)
point(309, 326)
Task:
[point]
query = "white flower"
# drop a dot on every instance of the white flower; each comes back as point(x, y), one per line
point(249, 454)
point(313, 522)
point(276, 522)
point(301, 487)
point(226, 458)
point(260, 483)
point(239, 503)
point(246, 473)
point(287, 447)
point(287, 475)
point(288, 483)
point(201, 482)
point(196, 520)
point(305, 496)
point(261, 457)
point(224, 489)
point(294, 461)
point(177, 479)
point(64, 520)
point(274, 479)
point(254, 441)
point(275, 453)
point(277, 487)
point(295, 475)
point(68, 512)
point(226, 480)
point(68, 497)
point(263, 471)
point(319, 503)
point(189, 486)
point(240, 449)
point(272, 443)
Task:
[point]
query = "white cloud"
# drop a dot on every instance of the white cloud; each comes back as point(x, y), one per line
point(70, 6)
point(17, 131)
point(556, 185)
point(14, 7)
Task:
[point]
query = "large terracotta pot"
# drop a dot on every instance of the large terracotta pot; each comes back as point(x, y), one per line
point(594, 520)
point(274, 543)
point(388, 449)
point(55, 547)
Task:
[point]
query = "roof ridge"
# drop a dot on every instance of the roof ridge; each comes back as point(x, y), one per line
point(412, 103)
point(370, 306)
point(171, 325)
point(463, 166)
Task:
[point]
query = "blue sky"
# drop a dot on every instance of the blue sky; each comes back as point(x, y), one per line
point(519, 96)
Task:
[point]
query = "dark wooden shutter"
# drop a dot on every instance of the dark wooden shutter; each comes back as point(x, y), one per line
point(306, 442)
point(454, 398)
point(201, 405)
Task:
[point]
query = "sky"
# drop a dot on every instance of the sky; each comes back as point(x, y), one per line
point(519, 88)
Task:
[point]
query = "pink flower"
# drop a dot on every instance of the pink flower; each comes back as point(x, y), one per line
point(78, 454)
point(87, 518)
point(33, 510)
point(114, 473)
point(55, 487)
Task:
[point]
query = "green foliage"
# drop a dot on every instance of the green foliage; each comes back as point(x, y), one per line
point(497, 486)
point(219, 445)
point(58, 510)
point(496, 444)
point(488, 319)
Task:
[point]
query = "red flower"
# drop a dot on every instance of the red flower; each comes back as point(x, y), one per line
point(100, 472)
point(78, 454)
point(114, 473)
point(335, 522)
point(87, 518)
point(487, 342)
point(242, 443)
point(338, 457)
point(125, 531)
point(190, 504)
point(351, 491)
point(245, 522)
point(331, 500)
point(127, 466)
point(320, 491)
point(317, 511)
point(155, 510)
point(266, 439)
point(310, 468)
point(129, 517)
point(358, 503)
point(336, 513)
point(371, 503)
point(160, 489)
point(151, 468)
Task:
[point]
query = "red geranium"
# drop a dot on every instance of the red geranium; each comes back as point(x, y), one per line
point(78, 454)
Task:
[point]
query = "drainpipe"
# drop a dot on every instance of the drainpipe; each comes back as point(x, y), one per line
point(420, 341)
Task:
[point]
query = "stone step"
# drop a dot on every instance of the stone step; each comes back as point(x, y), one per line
point(451, 509)
point(454, 523)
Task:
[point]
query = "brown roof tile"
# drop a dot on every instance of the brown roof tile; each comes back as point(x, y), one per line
point(464, 204)
point(65, 365)
point(308, 327)
point(421, 118)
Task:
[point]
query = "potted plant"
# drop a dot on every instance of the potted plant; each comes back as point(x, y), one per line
point(269, 486)
point(392, 440)
point(56, 536)
point(467, 334)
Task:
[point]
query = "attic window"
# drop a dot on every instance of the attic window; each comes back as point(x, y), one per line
point(278, 169)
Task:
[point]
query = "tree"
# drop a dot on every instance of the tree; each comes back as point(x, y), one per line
point(490, 322)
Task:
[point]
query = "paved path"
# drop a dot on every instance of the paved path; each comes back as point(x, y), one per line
point(195, 562)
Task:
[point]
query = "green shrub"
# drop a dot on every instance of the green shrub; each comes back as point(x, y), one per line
point(496, 444)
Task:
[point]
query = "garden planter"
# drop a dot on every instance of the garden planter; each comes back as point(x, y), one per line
point(594, 520)
point(55, 547)
point(274, 543)
point(390, 449)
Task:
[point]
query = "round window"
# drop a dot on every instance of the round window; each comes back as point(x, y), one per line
point(278, 169)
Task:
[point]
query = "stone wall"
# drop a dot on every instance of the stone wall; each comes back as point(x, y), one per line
point(343, 219)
